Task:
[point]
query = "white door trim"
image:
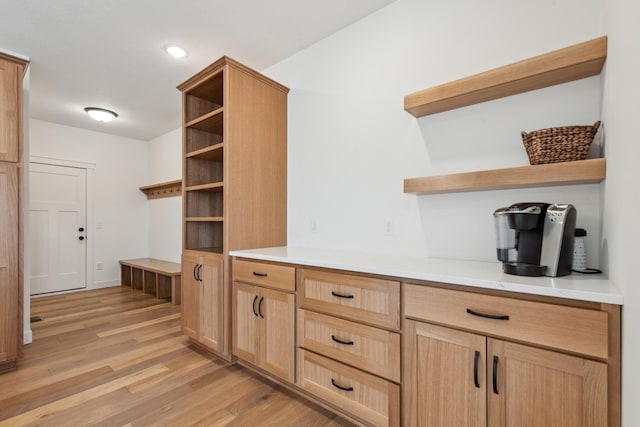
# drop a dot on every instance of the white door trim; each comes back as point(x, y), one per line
point(90, 168)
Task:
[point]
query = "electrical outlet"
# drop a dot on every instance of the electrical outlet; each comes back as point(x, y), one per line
point(388, 228)
point(99, 266)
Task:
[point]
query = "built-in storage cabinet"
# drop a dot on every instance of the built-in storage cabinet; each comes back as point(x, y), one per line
point(234, 175)
point(9, 222)
point(11, 72)
point(264, 318)
point(442, 355)
point(11, 247)
point(560, 66)
point(202, 300)
point(471, 359)
point(349, 343)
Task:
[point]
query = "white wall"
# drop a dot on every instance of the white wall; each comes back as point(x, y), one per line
point(118, 205)
point(165, 215)
point(622, 194)
point(351, 144)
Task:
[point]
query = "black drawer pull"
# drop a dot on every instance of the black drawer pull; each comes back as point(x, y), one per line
point(333, 382)
point(254, 305)
point(475, 368)
point(260, 307)
point(333, 337)
point(495, 374)
point(260, 274)
point(487, 316)
point(341, 296)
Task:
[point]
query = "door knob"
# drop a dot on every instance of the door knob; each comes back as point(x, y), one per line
point(80, 237)
point(81, 229)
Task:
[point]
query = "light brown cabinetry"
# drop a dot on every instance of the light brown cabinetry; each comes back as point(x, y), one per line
point(202, 300)
point(349, 343)
point(234, 169)
point(264, 318)
point(11, 72)
point(11, 281)
point(9, 319)
point(507, 362)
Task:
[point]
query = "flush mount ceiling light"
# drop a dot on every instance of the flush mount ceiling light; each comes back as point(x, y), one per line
point(175, 51)
point(100, 114)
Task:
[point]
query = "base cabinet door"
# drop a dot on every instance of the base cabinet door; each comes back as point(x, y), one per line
point(264, 329)
point(457, 378)
point(9, 288)
point(190, 297)
point(202, 300)
point(277, 333)
point(535, 387)
point(444, 375)
point(245, 336)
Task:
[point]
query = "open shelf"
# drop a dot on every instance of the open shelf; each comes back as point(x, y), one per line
point(213, 153)
point(589, 171)
point(210, 122)
point(560, 66)
point(163, 189)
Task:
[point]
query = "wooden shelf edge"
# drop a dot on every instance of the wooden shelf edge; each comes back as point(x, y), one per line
point(163, 189)
point(206, 152)
point(204, 117)
point(216, 186)
point(560, 66)
point(204, 219)
point(590, 171)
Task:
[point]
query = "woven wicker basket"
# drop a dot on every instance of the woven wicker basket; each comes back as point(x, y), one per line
point(561, 144)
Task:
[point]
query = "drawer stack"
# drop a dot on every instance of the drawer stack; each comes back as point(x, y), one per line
point(349, 343)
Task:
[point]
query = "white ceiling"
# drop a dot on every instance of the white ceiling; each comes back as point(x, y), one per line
point(109, 53)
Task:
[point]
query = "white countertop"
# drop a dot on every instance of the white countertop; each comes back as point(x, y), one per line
point(488, 275)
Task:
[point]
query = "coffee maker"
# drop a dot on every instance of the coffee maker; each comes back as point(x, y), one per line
point(535, 239)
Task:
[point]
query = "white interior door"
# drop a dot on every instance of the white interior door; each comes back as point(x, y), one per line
point(57, 228)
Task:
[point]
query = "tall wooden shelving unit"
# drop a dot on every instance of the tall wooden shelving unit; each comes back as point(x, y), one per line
point(234, 186)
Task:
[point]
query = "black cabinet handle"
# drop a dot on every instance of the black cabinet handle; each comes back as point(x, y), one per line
point(341, 296)
point(198, 278)
point(476, 359)
point(80, 237)
point(260, 307)
point(339, 341)
point(336, 385)
point(495, 374)
point(195, 277)
point(253, 306)
point(487, 316)
point(260, 274)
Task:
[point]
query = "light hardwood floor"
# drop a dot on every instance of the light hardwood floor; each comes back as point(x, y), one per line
point(116, 357)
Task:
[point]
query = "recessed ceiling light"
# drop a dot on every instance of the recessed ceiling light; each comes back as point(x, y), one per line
point(100, 114)
point(175, 51)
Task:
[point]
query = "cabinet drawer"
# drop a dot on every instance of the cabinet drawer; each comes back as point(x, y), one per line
point(271, 275)
point(573, 329)
point(364, 299)
point(370, 398)
point(368, 348)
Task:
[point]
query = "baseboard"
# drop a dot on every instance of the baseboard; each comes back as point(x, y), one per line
point(106, 284)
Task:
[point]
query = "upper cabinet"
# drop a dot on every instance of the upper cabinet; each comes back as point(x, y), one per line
point(560, 66)
point(11, 72)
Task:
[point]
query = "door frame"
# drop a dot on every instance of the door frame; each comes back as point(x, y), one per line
point(90, 224)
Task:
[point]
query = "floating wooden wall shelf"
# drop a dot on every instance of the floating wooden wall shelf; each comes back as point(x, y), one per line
point(163, 189)
point(560, 66)
point(589, 171)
